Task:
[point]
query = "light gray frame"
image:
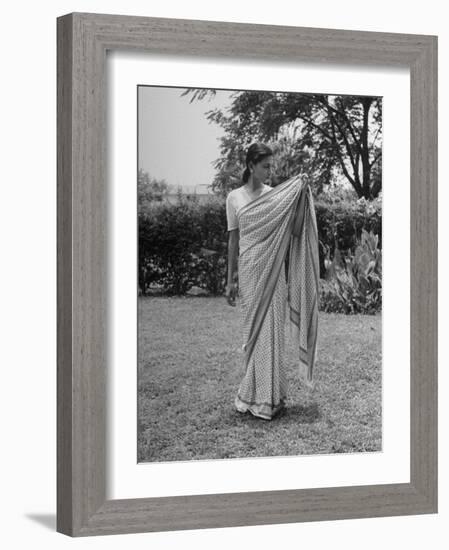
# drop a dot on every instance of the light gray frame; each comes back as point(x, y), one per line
point(83, 40)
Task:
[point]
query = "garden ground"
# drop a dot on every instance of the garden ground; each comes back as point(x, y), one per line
point(190, 366)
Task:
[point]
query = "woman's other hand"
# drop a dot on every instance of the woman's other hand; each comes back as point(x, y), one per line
point(231, 292)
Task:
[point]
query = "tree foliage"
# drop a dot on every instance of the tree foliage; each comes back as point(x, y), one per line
point(150, 189)
point(323, 136)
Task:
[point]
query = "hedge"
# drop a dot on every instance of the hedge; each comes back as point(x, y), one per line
point(341, 224)
point(184, 245)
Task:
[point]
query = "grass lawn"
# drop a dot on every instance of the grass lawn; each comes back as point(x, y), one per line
point(190, 367)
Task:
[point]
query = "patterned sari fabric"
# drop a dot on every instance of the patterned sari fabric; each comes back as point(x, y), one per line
point(278, 222)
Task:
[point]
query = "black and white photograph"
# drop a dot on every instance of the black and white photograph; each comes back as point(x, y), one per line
point(259, 273)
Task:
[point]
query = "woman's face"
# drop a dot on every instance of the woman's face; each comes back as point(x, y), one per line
point(262, 170)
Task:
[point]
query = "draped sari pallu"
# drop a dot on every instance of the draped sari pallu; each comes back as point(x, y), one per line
point(278, 222)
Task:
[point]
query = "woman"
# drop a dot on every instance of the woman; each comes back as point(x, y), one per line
point(263, 224)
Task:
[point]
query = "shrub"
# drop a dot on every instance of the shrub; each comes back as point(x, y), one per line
point(340, 225)
point(353, 284)
point(185, 244)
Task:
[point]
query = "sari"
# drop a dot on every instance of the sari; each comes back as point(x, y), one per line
point(277, 222)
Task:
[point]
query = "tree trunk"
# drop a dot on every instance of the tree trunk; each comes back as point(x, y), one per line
point(366, 168)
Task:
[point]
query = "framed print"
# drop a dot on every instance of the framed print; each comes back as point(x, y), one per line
point(149, 435)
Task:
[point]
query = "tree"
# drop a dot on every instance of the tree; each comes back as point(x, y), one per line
point(150, 189)
point(322, 136)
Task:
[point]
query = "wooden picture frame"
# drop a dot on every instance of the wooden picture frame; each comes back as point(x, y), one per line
point(83, 40)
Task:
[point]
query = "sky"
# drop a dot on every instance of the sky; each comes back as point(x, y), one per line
point(175, 140)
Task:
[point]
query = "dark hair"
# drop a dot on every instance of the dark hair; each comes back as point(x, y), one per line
point(256, 152)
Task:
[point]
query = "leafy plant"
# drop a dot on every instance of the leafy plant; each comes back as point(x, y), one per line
point(353, 283)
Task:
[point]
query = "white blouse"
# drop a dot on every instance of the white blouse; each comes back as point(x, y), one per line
point(238, 198)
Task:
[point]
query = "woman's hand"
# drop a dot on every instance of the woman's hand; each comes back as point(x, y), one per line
point(231, 292)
